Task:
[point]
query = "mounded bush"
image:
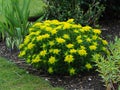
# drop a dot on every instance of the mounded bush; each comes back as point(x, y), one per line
point(62, 47)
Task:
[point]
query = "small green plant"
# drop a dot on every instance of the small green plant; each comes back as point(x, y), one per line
point(84, 12)
point(15, 27)
point(62, 47)
point(109, 66)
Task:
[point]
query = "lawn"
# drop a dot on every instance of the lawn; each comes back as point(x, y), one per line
point(13, 78)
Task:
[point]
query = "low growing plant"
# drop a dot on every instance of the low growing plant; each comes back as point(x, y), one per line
point(62, 47)
point(109, 66)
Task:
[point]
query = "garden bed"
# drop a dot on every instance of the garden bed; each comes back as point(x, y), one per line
point(84, 81)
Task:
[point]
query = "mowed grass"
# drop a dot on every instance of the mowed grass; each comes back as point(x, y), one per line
point(14, 78)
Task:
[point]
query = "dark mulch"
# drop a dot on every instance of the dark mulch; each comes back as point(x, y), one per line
point(84, 81)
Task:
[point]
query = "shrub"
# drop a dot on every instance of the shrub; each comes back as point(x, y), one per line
point(62, 47)
point(83, 11)
point(109, 67)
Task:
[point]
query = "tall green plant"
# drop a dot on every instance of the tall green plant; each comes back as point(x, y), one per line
point(16, 22)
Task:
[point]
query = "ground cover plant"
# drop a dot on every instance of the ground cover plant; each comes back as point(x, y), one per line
point(13, 78)
point(62, 47)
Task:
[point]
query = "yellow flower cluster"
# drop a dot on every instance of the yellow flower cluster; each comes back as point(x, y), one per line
point(88, 66)
point(52, 60)
point(69, 59)
point(62, 46)
point(70, 45)
point(92, 47)
point(82, 52)
point(60, 40)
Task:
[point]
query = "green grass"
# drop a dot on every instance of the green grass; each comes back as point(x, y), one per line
point(13, 78)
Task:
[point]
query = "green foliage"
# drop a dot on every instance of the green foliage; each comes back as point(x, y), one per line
point(85, 12)
point(62, 47)
point(16, 23)
point(109, 67)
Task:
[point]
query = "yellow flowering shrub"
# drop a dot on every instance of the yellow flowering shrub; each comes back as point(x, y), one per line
point(62, 47)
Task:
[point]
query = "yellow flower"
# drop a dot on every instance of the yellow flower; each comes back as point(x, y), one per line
point(95, 43)
point(55, 22)
point(88, 40)
point(76, 31)
point(48, 29)
point(58, 27)
point(66, 25)
point(92, 47)
point(80, 41)
point(94, 37)
point(39, 38)
point(47, 21)
point(27, 39)
point(37, 24)
point(70, 20)
point(60, 40)
point(82, 52)
point(50, 50)
point(97, 31)
point(36, 60)
point(42, 27)
point(69, 59)
point(104, 42)
point(86, 28)
point(73, 51)
point(31, 29)
point(22, 53)
point(31, 45)
point(21, 46)
point(104, 49)
point(82, 47)
point(43, 53)
point(56, 51)
point(70, 45)
point(54, 31)
point(35, 33)
point(88, 66)
point(51, 43)
point(66, 36)
point(78, 37)
point(72, 71)
point(52, 60)
point(45, 36)
point(50, 70)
